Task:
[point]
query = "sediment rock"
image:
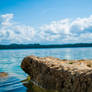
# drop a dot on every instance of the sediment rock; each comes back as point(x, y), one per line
point(63, 75)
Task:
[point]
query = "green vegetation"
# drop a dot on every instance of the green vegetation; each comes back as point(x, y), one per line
point(70, 62)
point(27, 46)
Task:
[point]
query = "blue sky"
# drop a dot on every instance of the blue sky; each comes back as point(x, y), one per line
point(45, 21)
point(37, 12)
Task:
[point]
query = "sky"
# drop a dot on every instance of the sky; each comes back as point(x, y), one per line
point(45, 21)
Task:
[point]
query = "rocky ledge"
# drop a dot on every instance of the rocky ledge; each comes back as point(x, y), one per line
point(63, 75)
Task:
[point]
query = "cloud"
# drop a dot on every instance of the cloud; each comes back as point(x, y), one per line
point(6, 19)
point(78, 30)
point(11, 32)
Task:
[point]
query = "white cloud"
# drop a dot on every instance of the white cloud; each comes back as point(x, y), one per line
point(62, 31)
point(68, 31)
point(61, 26)
point(11, 32)
point(6, 19)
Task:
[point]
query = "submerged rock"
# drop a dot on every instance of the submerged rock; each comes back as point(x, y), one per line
point(3, 74)
point(63, 75)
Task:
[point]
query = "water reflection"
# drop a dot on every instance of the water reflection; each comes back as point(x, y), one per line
point(68, 54)
point(34, 88)
point(14, 84)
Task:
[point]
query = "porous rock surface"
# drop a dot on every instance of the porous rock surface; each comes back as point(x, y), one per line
point(63, 75)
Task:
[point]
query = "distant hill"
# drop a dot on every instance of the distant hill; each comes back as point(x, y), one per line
point(31, 46)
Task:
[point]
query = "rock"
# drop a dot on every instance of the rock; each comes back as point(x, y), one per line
point(3, 74)
point(62, 75)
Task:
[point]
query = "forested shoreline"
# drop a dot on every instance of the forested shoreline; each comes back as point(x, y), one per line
point(31, 46)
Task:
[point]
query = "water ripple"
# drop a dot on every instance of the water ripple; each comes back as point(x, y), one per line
point(11, 84)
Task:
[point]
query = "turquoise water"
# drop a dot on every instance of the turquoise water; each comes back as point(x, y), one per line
point(10, 61)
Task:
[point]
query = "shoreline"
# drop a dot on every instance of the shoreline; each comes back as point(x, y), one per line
point(40, 46)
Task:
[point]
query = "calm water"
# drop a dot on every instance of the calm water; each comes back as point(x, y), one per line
point(10, 61)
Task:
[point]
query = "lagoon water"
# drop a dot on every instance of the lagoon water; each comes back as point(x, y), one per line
point(10, 61)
